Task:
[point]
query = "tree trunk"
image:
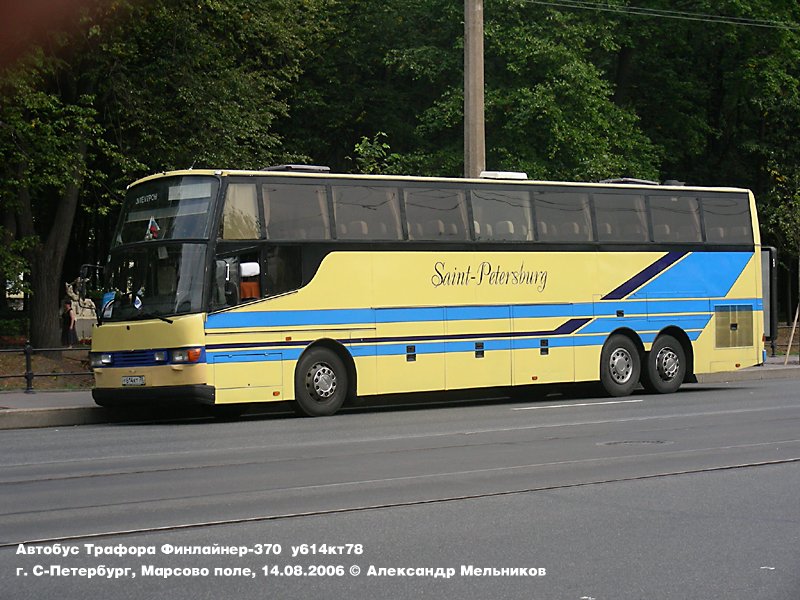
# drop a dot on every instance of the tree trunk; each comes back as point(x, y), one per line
point(45, 327)
point(46, 259)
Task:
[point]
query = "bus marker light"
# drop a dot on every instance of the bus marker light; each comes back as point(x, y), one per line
point(276, 394)
point(535, 378)
point(738, 365)
point(187, 355)
point(288, 338)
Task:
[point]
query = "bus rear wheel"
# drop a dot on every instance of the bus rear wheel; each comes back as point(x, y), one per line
point(620, 366)
point(320, 383)
point(665, 366)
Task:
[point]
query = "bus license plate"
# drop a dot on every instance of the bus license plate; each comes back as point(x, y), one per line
point(133, 380)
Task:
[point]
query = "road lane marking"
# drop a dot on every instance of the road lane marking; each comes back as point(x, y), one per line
point(578, 404)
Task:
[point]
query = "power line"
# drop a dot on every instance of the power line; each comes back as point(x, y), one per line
point(666, 14)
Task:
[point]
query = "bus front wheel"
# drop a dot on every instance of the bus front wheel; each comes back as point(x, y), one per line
point(620, 366)
point(665, 366)
point(320, 383)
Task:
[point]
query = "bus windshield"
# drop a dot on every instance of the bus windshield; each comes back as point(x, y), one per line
point(154, 282)
point(167, 208)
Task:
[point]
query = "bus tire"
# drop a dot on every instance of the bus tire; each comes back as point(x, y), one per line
point(620, 366)
point(320, 382)
point(665, 366)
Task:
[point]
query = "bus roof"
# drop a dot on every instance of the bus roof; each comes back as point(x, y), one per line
point(608, 184)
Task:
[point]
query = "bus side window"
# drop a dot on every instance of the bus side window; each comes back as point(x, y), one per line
point(727, 220)
point(563, 216)
point(626, 213)
point(675, 219)
point(240, 214)
point(510, 213)
point(436, 214)
point(296, 211)
point(283, 270)
point(367, 212)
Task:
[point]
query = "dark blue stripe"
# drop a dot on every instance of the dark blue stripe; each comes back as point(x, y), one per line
point(644, 276)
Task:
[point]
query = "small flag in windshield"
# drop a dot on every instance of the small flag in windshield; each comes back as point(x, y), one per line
point(152, 230)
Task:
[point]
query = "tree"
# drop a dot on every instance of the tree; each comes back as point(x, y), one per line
point(46, 138)
point(396, 67)
point(137, 87)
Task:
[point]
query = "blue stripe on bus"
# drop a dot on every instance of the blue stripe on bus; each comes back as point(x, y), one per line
point(610, 324)
point(714, 273)
point(246, 356)
point(440, 347)
point(369, 316)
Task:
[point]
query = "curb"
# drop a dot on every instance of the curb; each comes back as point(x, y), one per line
point(752, 374)
point(28, 418)
point(31, 418)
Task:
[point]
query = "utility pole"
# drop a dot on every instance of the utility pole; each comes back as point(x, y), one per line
point(474, 131)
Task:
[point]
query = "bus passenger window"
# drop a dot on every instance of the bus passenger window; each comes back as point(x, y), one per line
point(363, 212)
point(509, 211)
point(436, 214)
point(296, 211)
point(240, 214)
point(625, 213)
point(675, 219)
point(563, 216)
point(727, 220)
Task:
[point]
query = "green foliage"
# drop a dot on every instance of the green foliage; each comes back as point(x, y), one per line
point(13, 327)
point(202, 84)
point(138, 87)
point(372, 156)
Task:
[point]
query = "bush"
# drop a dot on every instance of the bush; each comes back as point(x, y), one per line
point(13, 327)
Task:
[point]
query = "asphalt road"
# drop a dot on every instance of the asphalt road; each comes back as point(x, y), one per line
point(693, 495)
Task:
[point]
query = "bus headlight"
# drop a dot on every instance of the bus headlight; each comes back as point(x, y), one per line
point(99, 359)
point(160, 356)
point(187, 355)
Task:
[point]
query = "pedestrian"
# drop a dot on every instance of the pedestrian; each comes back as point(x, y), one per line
point(69, 337)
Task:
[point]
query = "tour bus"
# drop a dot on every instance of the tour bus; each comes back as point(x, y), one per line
point(229, 288)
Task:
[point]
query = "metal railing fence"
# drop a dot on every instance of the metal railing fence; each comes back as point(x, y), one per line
point(29, 375)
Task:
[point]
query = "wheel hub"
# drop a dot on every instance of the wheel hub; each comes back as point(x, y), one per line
point(621, 365)
point(667, 363)
point(321, 381)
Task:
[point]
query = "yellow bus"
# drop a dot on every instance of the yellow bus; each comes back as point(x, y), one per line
point(294, 284)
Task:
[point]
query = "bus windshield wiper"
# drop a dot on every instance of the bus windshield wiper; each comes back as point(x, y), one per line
point(150, 315)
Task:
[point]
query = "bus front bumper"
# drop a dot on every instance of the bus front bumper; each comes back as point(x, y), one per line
point(154, 396)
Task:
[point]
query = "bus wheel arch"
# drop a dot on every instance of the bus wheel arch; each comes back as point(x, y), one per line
point(325, 377)
point(621, 362)
point(669, 362)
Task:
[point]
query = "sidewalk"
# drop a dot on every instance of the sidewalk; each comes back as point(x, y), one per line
point(20, 410)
